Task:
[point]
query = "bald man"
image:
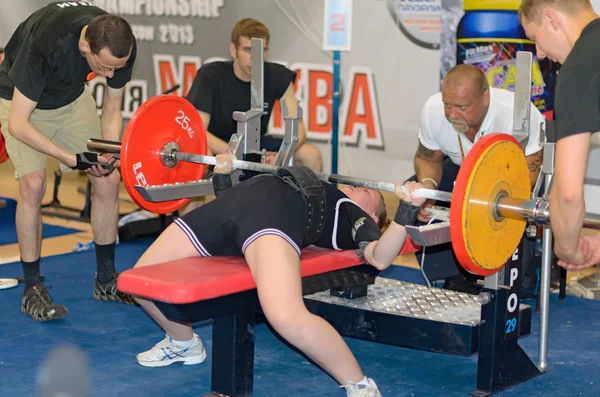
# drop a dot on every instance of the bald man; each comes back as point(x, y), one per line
point(451, 122)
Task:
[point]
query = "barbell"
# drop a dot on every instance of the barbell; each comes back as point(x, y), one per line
point(174, 152)
point(165, 143)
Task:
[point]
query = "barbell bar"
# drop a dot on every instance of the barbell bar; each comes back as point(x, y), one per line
point(165, 142)
point(536, 212)
point(170, 156)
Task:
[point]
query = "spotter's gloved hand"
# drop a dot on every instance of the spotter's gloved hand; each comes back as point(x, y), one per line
point(87, 160)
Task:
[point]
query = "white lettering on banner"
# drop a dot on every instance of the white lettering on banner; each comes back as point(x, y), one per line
point(135, 93)
point(166, 75)
point(168, 33)
point(143, 32)
point(176, 34)
point(420, 6)
point(167, 8)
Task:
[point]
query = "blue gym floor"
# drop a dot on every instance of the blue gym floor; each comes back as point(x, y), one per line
point(8, 230)
point(111, 334)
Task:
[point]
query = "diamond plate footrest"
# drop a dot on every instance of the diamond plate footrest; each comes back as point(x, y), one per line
point(409, 315)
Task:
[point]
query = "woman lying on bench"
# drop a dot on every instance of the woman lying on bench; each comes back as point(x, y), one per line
point(266, 220)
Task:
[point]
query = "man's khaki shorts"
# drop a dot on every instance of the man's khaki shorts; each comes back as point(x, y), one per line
point(69, 127)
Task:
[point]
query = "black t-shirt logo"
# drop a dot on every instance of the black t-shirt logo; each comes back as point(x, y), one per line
point(357, 225)
point(73, 4)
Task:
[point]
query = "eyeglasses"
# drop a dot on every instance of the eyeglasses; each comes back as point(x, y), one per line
point(104, 68)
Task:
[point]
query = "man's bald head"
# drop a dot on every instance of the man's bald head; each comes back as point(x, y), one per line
point(466, 76)
point(466, 97)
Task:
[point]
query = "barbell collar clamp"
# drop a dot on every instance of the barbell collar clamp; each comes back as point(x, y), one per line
point(495, 210)
point(168, 154)
point(540, 215)
point(535, 212)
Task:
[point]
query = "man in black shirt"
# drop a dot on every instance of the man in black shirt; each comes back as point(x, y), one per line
point(568, 32)
point(269, 229)
point(221, 88)
point(47, 109)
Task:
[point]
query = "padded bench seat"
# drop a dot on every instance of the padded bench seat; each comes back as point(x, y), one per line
point(196, 279)
point(201, 278)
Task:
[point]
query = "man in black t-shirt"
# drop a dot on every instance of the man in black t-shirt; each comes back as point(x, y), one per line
point(568, 32)
point(46, 109)
point(221, 88)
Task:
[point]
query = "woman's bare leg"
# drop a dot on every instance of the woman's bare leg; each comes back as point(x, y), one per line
point(275, 266)
point(172, 244)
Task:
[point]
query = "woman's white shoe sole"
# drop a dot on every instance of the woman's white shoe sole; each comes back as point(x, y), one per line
point(186, 361)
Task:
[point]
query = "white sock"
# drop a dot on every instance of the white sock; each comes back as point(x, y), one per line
point(184, 344)
point(364, 382)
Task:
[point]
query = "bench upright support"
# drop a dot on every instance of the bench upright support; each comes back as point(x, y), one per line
point(233, 354)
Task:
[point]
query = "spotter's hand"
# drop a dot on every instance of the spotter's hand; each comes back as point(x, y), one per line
point(403, 192)
point(224, 163)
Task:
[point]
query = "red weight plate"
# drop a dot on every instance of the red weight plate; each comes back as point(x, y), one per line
point(470, 177)
point(159, 121)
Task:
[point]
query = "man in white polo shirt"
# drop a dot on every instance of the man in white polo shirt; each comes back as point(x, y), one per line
point(451, 122)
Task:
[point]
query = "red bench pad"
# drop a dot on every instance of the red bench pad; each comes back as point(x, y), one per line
point(195, 279)
point(200, 278)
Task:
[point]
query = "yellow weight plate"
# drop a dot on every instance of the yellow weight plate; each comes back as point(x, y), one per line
point(495, 165)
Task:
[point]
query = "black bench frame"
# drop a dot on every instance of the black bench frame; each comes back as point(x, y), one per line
point(502, 362)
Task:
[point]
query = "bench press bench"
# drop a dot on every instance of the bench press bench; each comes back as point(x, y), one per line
point(350, 296)
point(222, 289)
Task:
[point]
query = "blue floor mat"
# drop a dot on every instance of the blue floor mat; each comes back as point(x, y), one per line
point(111, 334)
point(8, 229)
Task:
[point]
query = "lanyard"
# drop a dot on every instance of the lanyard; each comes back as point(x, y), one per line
point(462, 151)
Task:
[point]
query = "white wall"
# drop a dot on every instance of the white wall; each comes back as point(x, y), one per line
point(406, 75)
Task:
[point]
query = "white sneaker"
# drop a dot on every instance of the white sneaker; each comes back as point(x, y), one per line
point(167, 352)
point(576, 289)
point(354, 390)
